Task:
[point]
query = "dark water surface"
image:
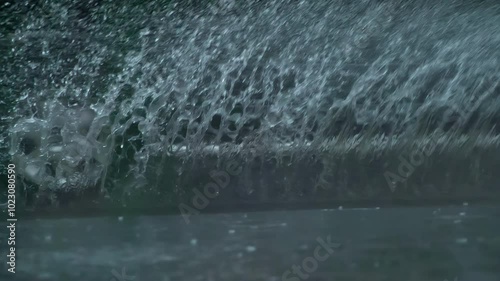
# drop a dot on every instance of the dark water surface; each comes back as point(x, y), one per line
point(449, 243)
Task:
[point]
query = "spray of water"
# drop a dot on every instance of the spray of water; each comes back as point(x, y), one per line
point(102, 89)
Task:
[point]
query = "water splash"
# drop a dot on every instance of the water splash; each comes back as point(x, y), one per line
point(104, 88)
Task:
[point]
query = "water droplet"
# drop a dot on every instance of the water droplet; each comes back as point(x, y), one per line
point(32, 170)
point(56, 148)
point(251, 249)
